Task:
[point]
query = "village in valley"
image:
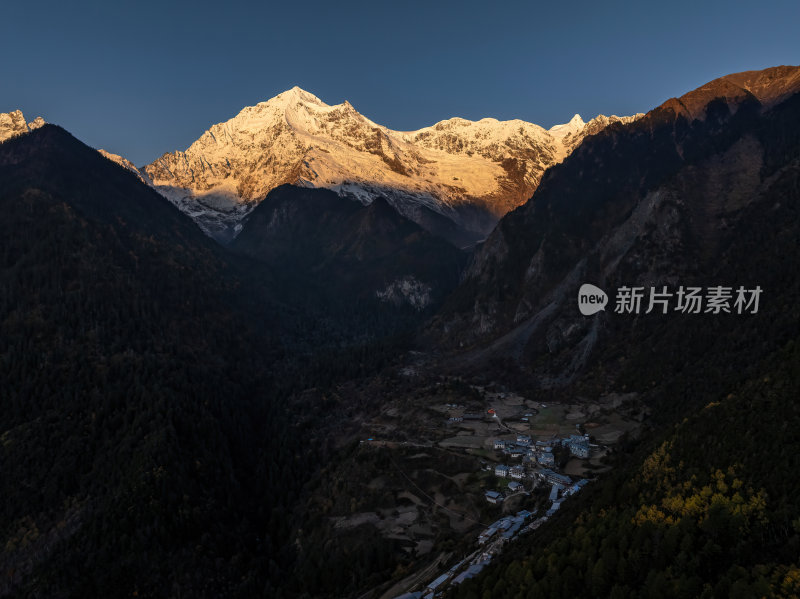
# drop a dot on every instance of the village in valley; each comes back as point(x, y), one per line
point(525, 463)
point(528, 458)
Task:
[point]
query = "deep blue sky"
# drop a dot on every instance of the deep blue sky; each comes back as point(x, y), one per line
point(140, 78)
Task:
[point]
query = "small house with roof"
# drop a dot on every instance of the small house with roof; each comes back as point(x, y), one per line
point(494, 497)
point(546, 459)
point(516, 452)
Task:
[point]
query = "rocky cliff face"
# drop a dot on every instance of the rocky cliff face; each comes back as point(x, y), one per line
point(456, 178)
point(13, 123)
point(668, 200)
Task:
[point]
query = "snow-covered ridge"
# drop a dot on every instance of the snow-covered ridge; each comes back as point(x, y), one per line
point(13, 123)
point(470, 172)
point(126, 164)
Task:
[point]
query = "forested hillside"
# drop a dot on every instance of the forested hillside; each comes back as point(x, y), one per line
point(147, 446)
point(705, 504)
point(711, 509)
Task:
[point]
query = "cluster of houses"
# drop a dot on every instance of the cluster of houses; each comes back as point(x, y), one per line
point(437, 586)
point(578, 445)
point(537, 461)
point(559, 492)
point(504, 471)
point(542, 451)
point(514, 487)
point(506, 528)
point(503, 530)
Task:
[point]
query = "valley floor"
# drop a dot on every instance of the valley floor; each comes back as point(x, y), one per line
point(444, 473)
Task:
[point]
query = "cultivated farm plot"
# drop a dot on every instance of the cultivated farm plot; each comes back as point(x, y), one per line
point(464, 441)
point(610, 431)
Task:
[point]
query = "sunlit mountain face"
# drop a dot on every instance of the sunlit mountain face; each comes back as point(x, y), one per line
point(455, 178)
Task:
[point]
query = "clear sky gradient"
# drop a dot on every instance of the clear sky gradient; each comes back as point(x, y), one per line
point(142, 78)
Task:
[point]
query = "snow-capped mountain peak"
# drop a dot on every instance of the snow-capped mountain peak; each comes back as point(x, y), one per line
point(467, 173)
point(13, 123)
point(574, 125)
